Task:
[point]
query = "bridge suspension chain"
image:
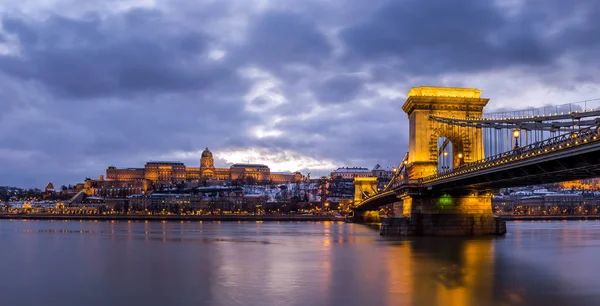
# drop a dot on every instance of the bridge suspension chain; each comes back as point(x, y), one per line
point(398, 175)
point(503, 132)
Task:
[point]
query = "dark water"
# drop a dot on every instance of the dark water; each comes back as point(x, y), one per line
point(121, 263)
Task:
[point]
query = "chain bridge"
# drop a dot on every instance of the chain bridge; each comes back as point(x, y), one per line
point(458, 156)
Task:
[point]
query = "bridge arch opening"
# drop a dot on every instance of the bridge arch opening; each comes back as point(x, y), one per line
point(445, 158)
point(452, 147)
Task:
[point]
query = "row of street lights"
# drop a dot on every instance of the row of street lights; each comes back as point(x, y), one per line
point(516, 135)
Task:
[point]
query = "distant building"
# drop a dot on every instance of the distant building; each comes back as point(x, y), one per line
point(285, 177)
point(563, 199)
point(128, 174)
point(207, 169)
point(259, 172)
point(164, 172)
point(102, 188)
point(127, 181)
point(49, 191)
point(382, 173)
point(593, 183)
point(158, 202)
point(49, 188)
point(351, 172)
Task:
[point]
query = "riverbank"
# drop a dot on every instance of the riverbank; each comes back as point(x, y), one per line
point(549, 218)
point(169, 218)
point(248, 218)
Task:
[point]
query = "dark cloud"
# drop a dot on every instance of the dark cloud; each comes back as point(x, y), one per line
point(277, 38)
point(339, 89)
point(429, 37)
point(137, 52)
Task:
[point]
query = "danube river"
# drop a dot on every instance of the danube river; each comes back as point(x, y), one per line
point(289, 263)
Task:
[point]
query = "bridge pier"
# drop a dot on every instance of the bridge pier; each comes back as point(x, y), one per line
point(368, 216)
point(445, 215)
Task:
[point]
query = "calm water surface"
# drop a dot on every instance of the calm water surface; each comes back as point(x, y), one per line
point(327, 263)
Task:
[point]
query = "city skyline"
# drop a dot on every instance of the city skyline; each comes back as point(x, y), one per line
point(151, 80)
point(198, 161)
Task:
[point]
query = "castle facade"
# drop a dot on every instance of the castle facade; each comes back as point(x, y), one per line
point(165, 172)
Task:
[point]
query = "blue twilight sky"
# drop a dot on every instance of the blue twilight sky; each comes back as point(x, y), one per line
point(299, 85)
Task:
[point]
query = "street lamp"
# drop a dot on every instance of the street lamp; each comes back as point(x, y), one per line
point(460, 159)
point(516, 134)
point(444, 167)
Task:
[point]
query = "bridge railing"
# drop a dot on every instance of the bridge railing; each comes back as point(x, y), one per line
point(399, 175)
point(546, 146)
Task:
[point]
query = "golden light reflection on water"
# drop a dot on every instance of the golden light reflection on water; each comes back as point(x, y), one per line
point(437, 272)
point(327, 234)
point(468, 281)
point(326, 261)
point(400, 274)
point(327, 242)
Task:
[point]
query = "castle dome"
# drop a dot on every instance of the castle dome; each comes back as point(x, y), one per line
point(207, 153)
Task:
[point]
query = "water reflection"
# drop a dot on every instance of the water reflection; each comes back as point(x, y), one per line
point(329, 263)
point(449, 271)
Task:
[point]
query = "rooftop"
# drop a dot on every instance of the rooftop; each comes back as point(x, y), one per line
point(435, 91)
point(164, 163)
point(250, 165)
point(351, 169)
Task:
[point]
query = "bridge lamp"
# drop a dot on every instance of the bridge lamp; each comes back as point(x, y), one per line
point(516, 134)
point(445, 153)
point(460, 155)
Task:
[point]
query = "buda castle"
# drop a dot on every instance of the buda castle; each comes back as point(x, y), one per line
point(165, 172)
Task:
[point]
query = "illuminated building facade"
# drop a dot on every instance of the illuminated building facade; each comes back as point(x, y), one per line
point(154, 171)
point(351, 172)
point(128, 174)
point(589, 184)
point(260, 173)
point(115, 188)
point(162, 172)
point(285, 177)
point(207, 168)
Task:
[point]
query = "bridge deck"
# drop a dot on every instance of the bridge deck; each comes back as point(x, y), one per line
point(567, 157)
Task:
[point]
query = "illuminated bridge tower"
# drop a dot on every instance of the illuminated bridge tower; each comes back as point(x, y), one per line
point(424, 134)
point(364, 187)
point(430, 212)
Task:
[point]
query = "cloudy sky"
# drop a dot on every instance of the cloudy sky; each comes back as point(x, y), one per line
point(299, 85)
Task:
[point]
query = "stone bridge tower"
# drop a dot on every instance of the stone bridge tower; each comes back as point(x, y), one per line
point(467, 143)
point(364, 187)
point(431, 212)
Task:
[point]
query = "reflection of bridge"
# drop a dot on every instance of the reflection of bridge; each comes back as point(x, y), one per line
point(444, 184)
